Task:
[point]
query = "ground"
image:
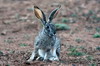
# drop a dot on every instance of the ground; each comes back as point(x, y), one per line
point(19, 27)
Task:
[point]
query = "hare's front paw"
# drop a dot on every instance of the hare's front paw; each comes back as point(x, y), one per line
point(40, 58)
point(28, 62)
point(54, 58)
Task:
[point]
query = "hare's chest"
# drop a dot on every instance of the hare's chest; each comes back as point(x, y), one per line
point(45, 43)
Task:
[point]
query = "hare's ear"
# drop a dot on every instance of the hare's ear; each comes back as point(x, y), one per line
point(39, 14)
point(53, 14)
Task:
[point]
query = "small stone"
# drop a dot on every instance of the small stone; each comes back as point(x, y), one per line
point(23, 19)
point(4, 32)
point(6, 22)
point(16, 30)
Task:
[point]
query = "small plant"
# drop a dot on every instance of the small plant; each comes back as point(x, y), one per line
point(75, 52)
point(97, 29)
point(1, 53)
point(93, 64)
point(96, 35)
point(96, 18)
point(89, 58)
point(62, 27)
point(17, 15)
point(11, 51)
point(65, 20)
point(90, 12)
point(78, 40)
point(8, 65)
point(98, 48)
point(8, 41)
point(73, 15)
point(23, 44)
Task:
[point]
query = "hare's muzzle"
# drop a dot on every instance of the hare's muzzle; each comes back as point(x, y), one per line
point(51, 34)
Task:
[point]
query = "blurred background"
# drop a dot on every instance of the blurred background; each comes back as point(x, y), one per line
point(77, 25)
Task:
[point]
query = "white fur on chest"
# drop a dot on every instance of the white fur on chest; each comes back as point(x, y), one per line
point(41, 53)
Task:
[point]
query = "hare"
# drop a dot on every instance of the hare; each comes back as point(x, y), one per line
point(47, 45)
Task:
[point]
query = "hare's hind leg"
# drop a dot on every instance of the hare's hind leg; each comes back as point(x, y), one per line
point(34, 55)
point(41, 54)
point(47, 55)
point(54, 57)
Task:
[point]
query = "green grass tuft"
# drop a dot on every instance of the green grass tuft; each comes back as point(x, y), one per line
point(1, 53)
point(98, 48)
point(73, 15)
point(93, 64)
point(96, 18)
point(96, 35)
point(75, 52)
point(8, 65)
point(90, 12)
point(78, 40)
point(65, 20)
point(62, 27)
point(97, 29)
point(89, 58)
point(23, 44)
point(8, 41)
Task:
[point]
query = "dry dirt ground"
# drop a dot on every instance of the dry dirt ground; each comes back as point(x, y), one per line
point(19, 26)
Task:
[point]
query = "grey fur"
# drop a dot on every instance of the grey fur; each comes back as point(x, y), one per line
point(46, 44)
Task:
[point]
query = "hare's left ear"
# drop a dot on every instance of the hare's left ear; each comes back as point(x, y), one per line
point(40, 14)
point(53, 14)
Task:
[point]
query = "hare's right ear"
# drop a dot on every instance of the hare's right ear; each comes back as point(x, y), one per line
point(39, 14)
point(53, 14)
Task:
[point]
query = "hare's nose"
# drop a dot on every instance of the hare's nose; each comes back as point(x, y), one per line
point(52, 34)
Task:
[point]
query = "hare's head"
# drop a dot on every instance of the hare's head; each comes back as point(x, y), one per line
point(49, 28)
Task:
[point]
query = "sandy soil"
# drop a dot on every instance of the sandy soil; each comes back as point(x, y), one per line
point(19, 27)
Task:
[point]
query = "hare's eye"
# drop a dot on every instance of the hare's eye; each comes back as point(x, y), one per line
point(47, 26)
